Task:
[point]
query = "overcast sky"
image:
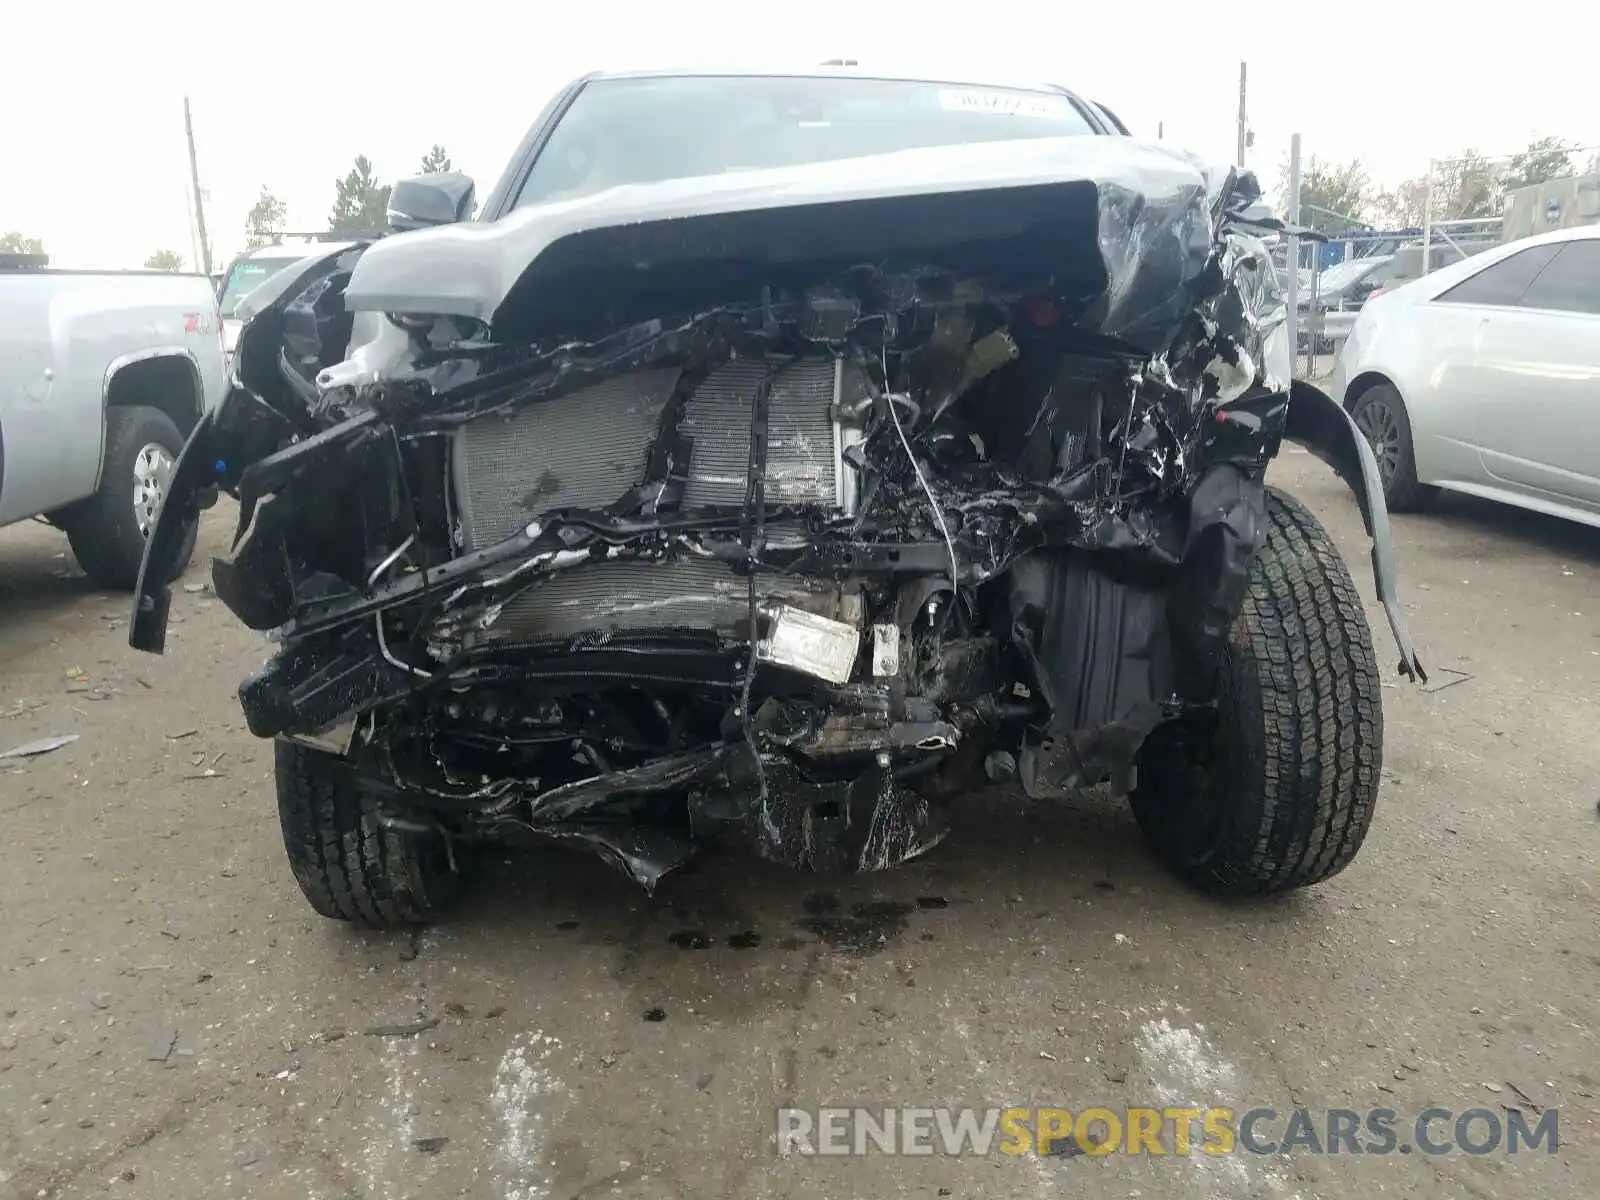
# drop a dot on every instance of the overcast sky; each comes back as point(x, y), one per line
point(287, 93)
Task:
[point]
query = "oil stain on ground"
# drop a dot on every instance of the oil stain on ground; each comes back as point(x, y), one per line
point(863, 928)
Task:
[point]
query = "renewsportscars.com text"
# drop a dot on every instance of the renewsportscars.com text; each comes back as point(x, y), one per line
point(846, 1131)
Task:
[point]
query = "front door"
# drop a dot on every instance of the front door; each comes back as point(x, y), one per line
point(30, 425)
point(1537, 380)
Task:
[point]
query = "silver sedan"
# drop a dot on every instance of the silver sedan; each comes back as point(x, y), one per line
point(1484, 377)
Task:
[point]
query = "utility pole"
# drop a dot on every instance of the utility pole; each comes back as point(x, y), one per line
point(194, 242)
point(1244, 120)
point(1292, 276)
point(1427, 218)
point(194, 179)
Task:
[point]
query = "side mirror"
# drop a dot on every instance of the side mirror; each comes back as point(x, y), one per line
point(441, 198)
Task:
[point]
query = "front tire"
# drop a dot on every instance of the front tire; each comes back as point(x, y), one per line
point(108, 531)
point(1381, 415)
point(349, 866)
point(1274, 789)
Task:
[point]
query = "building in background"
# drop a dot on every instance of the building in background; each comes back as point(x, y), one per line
point(1553, 204)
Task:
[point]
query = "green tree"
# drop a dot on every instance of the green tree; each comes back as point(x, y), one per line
point(435, 161)
point(164, 260)
point(1545, 158)
point(360, 201)
point(263, 224)
point(13, 242)
point(1333, 196)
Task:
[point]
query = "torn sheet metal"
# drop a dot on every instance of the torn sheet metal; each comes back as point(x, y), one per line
point(1135, 221)
point(605, 542)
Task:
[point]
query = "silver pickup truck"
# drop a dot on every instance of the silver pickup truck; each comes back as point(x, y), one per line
point(102, 377)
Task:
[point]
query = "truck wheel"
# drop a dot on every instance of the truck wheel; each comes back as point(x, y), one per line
point(1274, 788)
point(349, 866)
point(108, 530)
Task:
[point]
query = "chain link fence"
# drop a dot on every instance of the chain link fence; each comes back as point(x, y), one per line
point(1456, 207)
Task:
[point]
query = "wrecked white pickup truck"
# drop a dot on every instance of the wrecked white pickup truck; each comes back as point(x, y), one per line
point(785, 456)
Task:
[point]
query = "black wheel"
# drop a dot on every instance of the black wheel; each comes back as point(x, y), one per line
point(349, 866)
point(1274, 788)
point(1381, 416)
point(108, 530)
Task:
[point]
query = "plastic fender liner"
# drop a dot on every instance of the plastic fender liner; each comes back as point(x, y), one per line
point(193, 487)
point(1319, 424)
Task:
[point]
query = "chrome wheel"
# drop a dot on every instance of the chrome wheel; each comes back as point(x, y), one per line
point(1377, 421)
point(152, 471)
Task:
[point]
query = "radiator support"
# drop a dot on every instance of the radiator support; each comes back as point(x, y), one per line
point(587, 449)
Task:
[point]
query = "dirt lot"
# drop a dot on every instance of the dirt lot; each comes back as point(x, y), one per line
point(177, 1023)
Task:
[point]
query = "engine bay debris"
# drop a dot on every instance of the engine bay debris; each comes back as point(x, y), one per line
point(790, 521)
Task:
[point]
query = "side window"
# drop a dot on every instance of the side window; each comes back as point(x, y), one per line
point(1502, 283)
point(1571, 283)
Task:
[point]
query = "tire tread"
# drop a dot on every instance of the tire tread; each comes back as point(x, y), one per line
point(1299, 731)
point(349, 866)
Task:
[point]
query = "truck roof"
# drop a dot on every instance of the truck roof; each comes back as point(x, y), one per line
point(834, 72)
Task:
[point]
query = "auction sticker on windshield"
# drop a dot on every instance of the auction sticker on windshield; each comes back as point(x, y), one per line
point(1006, 104)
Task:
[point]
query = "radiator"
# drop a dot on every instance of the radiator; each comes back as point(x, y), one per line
point(589, 448)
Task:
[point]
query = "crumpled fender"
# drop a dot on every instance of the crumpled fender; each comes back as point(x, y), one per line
point(253, 420)
point(1318, 423)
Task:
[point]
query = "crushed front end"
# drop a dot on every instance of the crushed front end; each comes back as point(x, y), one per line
point(798, 546)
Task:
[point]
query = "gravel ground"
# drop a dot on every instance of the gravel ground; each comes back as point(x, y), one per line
point(177, 1023)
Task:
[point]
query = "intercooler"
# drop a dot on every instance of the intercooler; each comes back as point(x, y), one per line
point(588, 449)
